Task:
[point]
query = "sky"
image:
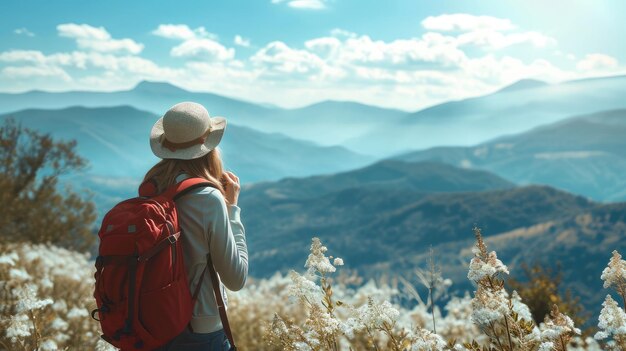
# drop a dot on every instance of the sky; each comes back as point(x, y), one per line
point(404, 54)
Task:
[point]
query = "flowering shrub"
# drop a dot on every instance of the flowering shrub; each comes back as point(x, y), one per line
point(46, 299)
point(46, 293)
point(612, 321)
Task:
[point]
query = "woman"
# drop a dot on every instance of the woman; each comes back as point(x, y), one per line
point(185, 138)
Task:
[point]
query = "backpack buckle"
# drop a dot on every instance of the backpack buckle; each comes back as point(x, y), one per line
point(173, 238)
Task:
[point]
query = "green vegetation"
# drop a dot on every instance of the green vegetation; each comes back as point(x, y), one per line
point(34, 209)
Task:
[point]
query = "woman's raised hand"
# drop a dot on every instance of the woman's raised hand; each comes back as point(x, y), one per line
point(231, 187)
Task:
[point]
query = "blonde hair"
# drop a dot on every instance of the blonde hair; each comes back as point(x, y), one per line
point(209, 167)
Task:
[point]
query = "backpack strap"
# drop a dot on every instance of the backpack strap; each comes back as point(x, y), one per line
point(220, 302)
point(179, 189)
point(175, 192)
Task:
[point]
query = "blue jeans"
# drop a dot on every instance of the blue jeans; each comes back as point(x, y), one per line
point(188, 341)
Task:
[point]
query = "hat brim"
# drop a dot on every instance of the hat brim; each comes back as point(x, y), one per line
point(218, 125)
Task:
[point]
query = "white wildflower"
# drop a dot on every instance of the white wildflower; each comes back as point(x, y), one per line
point(520, 307)
point(557, 328)
point(612, 320)
point(338, 262)
point(324, 323)
point(546, 346)
point(373, 315)
point(304, 289)
point(586, 344)
point(46, 283)
point(459, 347)
point(76, 312)
point(317, 261)
point(615, 272)
point(601, 335)
point(19, 274)
point(534, 336)
point(49, 345)
point(59, 306)
point(480, 268)
point(9, 258)
point(104, 346)
point(489, 307)
point(28, 299)
point(301, 346)
point(19, 327)
point(59, 324)
point(425, 340)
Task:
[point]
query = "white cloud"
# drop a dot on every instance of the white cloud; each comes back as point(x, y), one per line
point(597, 62)
point(496, 40)
point(182, 32)
point(203, 49)
point(342, 33)
point(431, 50)
point(303, 4)
point(32, 56)
point(407, 73)
point(197, 44)
point(466, 22)
point(82, 31)
point(485, 31)
point(24, 31)
point(241, 41)
point(97, 39)
point(24, 72)
point(277, 60)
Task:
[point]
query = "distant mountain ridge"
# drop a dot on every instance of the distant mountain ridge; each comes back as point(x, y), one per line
point(382, 226)
point(367, 129)
point(115, 140)
point(326, 123)
point(375, 207)
point(582, 154)
point(515, 109)
point(388, 174)
point(523, 84)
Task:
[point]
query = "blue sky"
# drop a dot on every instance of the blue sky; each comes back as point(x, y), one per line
point(406, 54)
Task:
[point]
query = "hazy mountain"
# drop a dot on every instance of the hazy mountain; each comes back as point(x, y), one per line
point(424, 177)
point(326, 123)
point(523, 84)
point(115, 141)
point(388, 212)
point(367, 129)
point(584, 154)
point(514, 109)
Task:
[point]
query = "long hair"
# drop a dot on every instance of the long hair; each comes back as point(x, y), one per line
point(208, 167)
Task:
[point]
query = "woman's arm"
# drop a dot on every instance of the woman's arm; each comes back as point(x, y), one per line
point(227, 242)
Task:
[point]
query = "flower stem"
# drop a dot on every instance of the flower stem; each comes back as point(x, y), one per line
point(432, 308)
point(508, 332)
point(563, 346)
point(493, 328)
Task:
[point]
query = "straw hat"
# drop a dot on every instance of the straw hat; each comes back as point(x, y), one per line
point(185, 132)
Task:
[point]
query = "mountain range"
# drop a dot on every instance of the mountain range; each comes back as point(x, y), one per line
point(326, 123)
point(383, 219)
point(515, 109)
point(115, 140)
point(386, 212)
point(584, 154)
point(367, 129)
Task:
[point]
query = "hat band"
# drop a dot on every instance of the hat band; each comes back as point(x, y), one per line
point(172, 146)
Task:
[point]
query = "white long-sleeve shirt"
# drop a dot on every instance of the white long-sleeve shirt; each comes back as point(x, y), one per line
point(208, 223)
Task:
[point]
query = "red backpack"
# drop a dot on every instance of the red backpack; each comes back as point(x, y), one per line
point(141, 288)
